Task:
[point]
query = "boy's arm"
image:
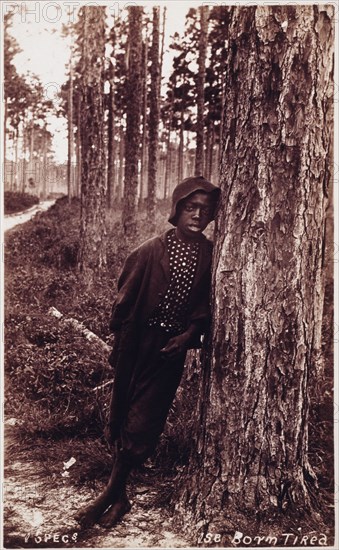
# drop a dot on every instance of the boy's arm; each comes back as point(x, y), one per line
point(129, 284)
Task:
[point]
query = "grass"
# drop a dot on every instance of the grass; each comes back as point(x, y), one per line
point(15, 201)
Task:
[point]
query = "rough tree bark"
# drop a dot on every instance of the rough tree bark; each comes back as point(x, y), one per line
point(132, 142)
point(251, 422)
point(153, 121)
point(199, 153)
point(92, 251)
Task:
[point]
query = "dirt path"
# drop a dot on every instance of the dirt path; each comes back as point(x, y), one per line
point(12, 220)
point(38, 511)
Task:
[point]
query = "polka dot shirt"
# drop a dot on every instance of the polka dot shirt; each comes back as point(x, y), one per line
point(171, 312)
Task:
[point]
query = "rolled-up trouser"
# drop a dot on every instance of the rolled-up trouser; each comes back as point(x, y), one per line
point(143, 395)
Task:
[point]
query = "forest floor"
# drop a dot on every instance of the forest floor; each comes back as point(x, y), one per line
point(39, 509)
point(57, 387)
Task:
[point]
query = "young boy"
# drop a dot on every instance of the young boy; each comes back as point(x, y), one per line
point(161, 310)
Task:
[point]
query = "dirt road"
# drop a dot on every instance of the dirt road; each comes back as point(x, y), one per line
point(11, 220)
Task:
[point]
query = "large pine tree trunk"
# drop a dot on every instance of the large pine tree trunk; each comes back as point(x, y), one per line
point(132, 142)
point(199, 154)
point(92, 253)
point(251, 421)
point(153, 121)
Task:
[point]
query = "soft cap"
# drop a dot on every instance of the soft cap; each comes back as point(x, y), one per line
point(186, 188)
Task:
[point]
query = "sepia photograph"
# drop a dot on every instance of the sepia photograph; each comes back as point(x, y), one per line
point(170, 262)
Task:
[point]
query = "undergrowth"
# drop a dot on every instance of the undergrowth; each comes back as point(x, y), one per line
point(14, 201)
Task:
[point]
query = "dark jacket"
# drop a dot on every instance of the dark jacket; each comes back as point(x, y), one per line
point(145, 279)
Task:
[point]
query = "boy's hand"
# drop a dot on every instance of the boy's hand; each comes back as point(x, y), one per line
point(176, 345)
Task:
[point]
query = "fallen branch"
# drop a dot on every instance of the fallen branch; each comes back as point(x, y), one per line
point(79, 327)
point(103, 385)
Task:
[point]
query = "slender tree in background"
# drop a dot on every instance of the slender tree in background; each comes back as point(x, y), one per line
point(111, 136)
point(132, 141)
point(78, 141)
point(70, 172)
point(167, 119)
point(252, 461)
point(143, 167)
point(199, 152)
point(92, 253)
point(153, 120)
point(162, 47)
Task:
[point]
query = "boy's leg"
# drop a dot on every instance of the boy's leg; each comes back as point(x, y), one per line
point(151, 394)
point(116, 511)
point(114, 490)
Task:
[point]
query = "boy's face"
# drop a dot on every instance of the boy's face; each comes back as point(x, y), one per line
point(194, 214)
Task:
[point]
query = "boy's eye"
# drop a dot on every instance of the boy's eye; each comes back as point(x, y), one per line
point(205, 211)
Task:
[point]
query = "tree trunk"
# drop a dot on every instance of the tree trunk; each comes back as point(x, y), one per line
point(168, 152)
point(120, 189)
point(210, 166)
point(5, 133)
point(17, 186)
point(181, 148)
point(78, 148)
point(221, 128)
point(251, 460)
point(44, 162)
point(111, 141)
point(143, 171)
point(70, 182)
point(168, 163)
point(132, 142)
point(207, 150)
point(153, 122)
point(162, 48)
point(92, 253)
point(31, 155)
point(199, 155)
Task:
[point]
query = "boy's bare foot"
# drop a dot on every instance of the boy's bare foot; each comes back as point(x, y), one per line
point(115, 512)
point(88, 515)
